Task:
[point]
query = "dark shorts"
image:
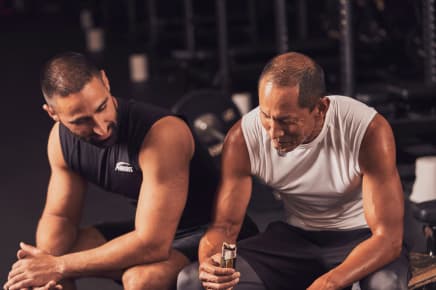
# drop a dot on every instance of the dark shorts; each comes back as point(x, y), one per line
point(285, 255)
point(185, 241)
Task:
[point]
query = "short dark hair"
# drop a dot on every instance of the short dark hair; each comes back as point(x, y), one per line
point(292, 69)
point(65, 74)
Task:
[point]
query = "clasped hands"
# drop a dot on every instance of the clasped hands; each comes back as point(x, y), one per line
point(35, 269)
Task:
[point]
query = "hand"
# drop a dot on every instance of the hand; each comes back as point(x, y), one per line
point(323, 283)
point(35, 268)
point(214, 277)
point(52, 285)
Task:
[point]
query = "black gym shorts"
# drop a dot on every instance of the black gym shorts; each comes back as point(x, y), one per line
point(186, 240)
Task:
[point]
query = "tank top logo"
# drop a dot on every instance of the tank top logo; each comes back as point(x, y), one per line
point(123, 167)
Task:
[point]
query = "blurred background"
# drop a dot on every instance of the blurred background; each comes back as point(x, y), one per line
point(203, 58)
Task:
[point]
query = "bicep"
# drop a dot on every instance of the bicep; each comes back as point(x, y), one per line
point(164, 160)
point(65, 189)
point(381, 185)
point(236, 182)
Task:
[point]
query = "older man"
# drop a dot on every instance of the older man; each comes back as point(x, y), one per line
point(332, 159)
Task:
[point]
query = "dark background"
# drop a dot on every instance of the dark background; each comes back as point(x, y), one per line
point(390, 71)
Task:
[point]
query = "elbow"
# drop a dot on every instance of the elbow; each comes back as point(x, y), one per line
point(393, 246)
point(154, 251)
point(397, 247)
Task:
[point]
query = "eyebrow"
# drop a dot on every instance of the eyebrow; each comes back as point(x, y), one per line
point(280, 118)
point(99, 108)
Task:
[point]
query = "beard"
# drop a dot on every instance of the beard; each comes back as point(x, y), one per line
point(111, 140)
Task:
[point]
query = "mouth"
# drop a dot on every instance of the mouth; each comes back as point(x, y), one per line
point(284, 146)
point(106, 140)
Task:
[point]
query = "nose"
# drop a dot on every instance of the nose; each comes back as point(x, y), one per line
point(100, 127)
point(275, 129)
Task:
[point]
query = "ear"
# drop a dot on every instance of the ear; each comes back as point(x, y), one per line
point(323, 105)
point(51, 112)
point(105, 80)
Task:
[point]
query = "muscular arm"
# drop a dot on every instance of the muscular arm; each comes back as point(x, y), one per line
point(233, 195)
point(58, 225)
point(164, 159)
point(383, 205)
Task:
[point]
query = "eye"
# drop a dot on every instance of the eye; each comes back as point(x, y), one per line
point(102, 107)
point(80, 122)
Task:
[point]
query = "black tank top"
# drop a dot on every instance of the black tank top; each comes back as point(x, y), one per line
point(116, 168)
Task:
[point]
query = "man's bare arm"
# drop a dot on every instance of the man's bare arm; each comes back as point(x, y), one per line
point(233, 195)
point(383, 203)
point(58, 225)
point(164, 159)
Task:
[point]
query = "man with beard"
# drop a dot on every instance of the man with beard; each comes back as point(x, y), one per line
point(332, 160)
point(129, 148)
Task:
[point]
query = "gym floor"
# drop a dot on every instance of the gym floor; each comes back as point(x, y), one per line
point(26, 42)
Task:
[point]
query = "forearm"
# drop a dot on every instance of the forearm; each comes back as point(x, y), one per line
point(366, 258)
point(55, 235)
point(123, 252)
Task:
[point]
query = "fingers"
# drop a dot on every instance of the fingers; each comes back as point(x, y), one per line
point(17, 282)
point(215, 277)
point(50, 286)
point(207, 277)
point(22, 284)
point(47, 286)
point(209, 268)
point(21, 254)
point(220, 286)
point(28, 249)
point(16, 269)
point(216, 259)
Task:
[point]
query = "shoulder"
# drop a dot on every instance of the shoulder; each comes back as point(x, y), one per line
point(235, 153)
point(378, 129)
point(378, 144)
point(54, 148)
point(235, 136)
point(169, 133)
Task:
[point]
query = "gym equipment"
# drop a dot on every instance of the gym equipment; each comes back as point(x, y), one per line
point(424, 187)
point(346, 47)
point(424, 265)
point(423, 200)
point(211, 114)
point(138, 64)
point(95, 40)
point(86, 21)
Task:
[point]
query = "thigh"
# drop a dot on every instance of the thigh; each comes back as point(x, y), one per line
point(393, 276)
point(89, 238)
point(188, 277)
point(161, 275)
point(282, 256)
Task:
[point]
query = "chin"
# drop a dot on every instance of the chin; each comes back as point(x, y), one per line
point(106, 142)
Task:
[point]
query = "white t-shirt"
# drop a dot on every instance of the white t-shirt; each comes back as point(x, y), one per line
point(320, 183)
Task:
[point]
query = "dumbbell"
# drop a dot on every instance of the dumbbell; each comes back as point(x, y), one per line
point(211, 114)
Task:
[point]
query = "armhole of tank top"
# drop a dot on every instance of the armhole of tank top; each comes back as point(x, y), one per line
point(248, 141)
point(365, 124)
point(65, 143)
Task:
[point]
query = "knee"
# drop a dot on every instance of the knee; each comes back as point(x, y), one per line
point(138, 279)
point(384, 280)
point(188, 278)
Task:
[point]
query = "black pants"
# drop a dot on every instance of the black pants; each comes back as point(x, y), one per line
point(285, 257)
point(185, 241)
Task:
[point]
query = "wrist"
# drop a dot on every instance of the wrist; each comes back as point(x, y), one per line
point(334, 281)
point(62, 268)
